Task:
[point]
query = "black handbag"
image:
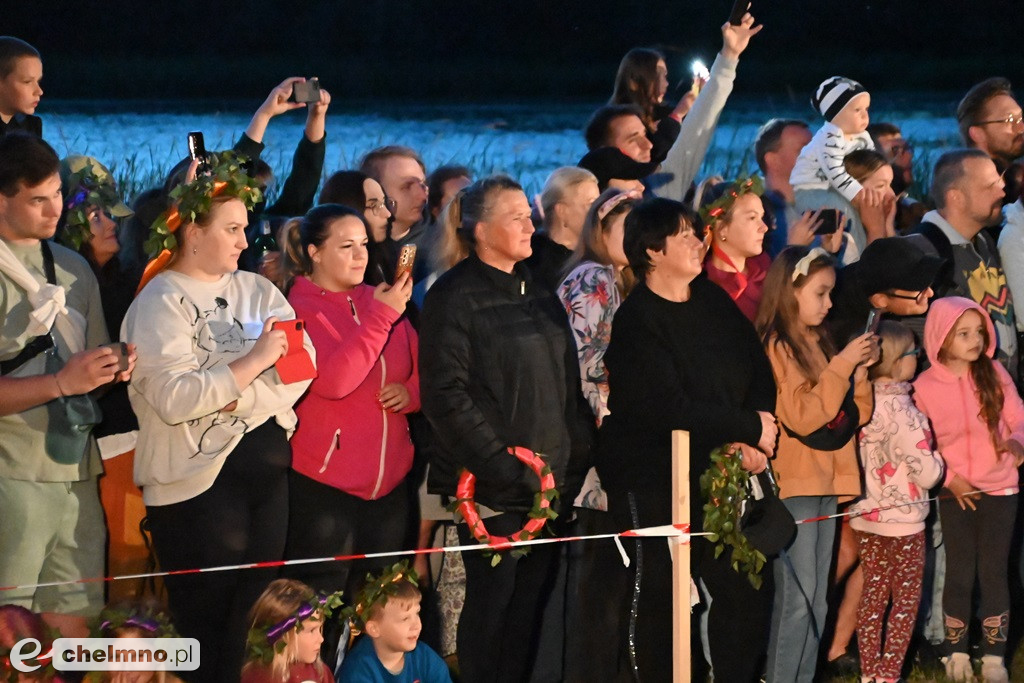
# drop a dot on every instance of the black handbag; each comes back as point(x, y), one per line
point(764, 520)
point(838, 432)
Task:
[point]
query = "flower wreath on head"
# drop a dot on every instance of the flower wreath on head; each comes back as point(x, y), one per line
point(377, 591)
point(741, 186)
point(155, 623)
point(227, 178)
point(265, 642)
point(87, 189)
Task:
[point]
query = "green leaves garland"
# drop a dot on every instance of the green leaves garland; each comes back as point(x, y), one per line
point(227, 178)
point(87, 190)
point(377, 591)
point(723, 487)
point(264, 642)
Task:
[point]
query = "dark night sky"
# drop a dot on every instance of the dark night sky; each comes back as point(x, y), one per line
point(456, 50)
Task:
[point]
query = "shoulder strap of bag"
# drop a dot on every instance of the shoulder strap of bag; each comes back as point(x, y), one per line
point(36, 345)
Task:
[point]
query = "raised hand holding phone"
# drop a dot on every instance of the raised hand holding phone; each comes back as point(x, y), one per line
point(739, 8)
point(197, 151)
point(397, 295)
point(736, 37)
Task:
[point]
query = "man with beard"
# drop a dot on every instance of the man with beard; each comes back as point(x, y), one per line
point(968, 195)
point(990, 119)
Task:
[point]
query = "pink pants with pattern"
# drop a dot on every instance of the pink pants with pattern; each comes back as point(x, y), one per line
point(893, 569)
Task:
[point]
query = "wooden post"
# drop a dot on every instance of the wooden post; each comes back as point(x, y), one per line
point(681, 558)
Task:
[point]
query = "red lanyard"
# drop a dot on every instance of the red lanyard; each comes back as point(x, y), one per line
point(741, 278)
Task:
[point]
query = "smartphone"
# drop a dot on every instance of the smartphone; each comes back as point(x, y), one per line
point(406, 257)
point(120, 350)
point(197, 150)
point(700, 71)
point(307, 92)
point(293, 332)
point(739, 8)
point(295, 365)
point(874, 319)
point(829, 221)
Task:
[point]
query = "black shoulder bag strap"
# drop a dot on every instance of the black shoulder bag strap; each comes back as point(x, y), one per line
point(44, 341)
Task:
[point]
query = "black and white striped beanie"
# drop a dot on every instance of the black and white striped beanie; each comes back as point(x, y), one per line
point(834, 94)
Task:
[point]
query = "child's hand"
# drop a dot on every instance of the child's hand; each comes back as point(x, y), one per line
point(861, 350)
point(860, 374)
point(1013, 447)
point(960, 488)
point(868, 197)
point(394, 397)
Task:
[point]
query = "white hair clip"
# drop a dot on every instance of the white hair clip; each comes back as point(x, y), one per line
point(804, 264)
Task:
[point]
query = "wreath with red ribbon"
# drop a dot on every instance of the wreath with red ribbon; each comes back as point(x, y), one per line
point(538, 515)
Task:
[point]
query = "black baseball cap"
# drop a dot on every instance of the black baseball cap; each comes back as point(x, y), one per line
point(896, 263)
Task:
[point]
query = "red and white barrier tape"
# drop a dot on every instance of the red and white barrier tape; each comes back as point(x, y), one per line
point(681, 532)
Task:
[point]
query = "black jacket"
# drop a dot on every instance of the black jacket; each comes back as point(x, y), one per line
point(497, 369)
point(24, 123)
point(696, 365)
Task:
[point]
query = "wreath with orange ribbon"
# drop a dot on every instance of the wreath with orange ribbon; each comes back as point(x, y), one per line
point(539, 514)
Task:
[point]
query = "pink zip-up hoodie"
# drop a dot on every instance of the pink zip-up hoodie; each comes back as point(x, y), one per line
point(344, 438)
point(951, 403)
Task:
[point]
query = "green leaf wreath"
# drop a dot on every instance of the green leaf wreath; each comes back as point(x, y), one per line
point(723, 487)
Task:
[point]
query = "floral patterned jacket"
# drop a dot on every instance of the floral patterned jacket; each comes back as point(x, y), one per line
point(591, 298)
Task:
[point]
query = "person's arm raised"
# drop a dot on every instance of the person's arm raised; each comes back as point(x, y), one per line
point(687, 154)
point(736, 38)
point(317, 116)
point(276, 103)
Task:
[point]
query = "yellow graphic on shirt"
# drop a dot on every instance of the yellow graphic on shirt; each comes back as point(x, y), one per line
point(988, 287)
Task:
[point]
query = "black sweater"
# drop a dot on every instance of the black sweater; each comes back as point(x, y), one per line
point(497, 369)
point(695, 365)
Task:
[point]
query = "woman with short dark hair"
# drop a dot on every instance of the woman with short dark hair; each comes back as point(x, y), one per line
point(682, 357)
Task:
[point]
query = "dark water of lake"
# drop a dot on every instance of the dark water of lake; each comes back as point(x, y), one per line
point(141, 140)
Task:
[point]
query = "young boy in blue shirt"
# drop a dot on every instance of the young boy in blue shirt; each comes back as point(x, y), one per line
point(388, 612)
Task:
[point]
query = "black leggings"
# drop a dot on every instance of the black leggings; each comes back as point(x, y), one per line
point(977, 547)
point(325, 521)
point(242, 518)
point(500, 622)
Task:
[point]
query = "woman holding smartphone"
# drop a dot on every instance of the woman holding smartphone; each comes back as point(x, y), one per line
point(214, 416)
point(352, 451)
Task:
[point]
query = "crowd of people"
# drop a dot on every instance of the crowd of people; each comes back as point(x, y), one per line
point(202, 379)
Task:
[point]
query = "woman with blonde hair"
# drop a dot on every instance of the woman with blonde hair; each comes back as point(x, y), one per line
point(498, 371)
point(214, 414)
point(567, 195)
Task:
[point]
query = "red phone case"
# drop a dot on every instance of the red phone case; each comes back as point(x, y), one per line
point(296, 365)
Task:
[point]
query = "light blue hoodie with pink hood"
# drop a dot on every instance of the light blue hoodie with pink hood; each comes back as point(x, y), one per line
point(951, 403)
